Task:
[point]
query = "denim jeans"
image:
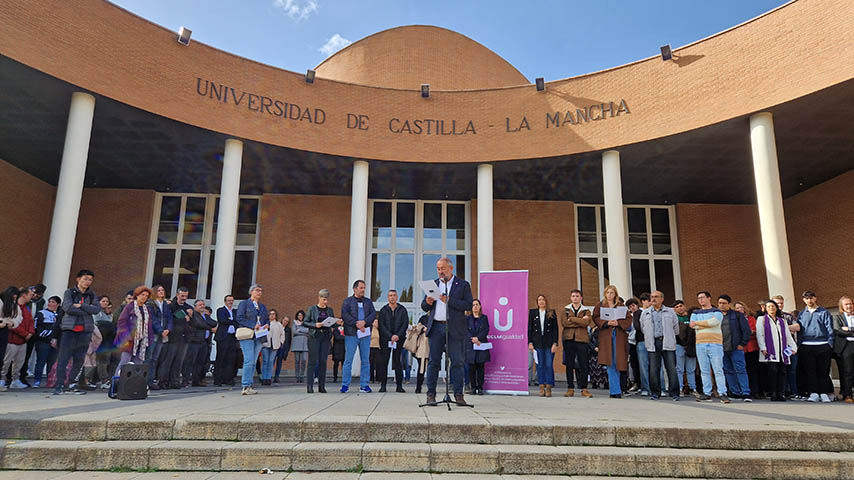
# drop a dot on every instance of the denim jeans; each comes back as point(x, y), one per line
point(643, 363)
point(735, 369)
point(251, 348)
point(711, 359)
point(351, 342)
point(613, 373)
point(267, 357)
point(45, 356)
point(686, 364)
point(668, 358)
point(545, 366)
point(151, 356)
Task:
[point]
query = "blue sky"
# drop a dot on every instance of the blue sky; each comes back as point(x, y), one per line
point(551, 39)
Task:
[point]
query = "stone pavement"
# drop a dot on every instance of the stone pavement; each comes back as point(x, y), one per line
point(57, 475)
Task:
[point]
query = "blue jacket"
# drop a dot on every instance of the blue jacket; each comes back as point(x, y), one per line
point(739, 331)
point(223, 322)
point(350, 313)
point(247, 314)
point(815, 327)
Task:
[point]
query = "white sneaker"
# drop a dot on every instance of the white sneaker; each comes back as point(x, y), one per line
point(18, 384)
point(3, 388)
point(248, 391)
point(825, 398)
point(813, 397)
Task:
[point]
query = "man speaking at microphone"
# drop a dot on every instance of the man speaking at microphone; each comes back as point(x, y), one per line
point(447, 315)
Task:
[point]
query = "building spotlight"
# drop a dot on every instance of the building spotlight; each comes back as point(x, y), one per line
point(541, 84)
point(666, 53)
point(184, 36)
point(309, 76)
point(425, 90)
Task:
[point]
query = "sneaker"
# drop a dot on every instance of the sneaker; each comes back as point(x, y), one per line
point(76, 391)
point(2, 383)
point(825, 398)
point(345, 388)
point(37, 383)
point(653, 397)
point(57, 391)
point(248, 391)
point(365, 389)
point(675, 398)
point(799, 398)
point(725, 399)
point(813, 397)
point(703, 398)
point(644, 393)
point(17, 384)
point(105, 386)
point(747, 399)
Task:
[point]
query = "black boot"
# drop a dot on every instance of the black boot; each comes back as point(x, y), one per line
point(382, 388)
point(309, 387)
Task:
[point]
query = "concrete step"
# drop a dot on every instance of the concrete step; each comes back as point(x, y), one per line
point(418, 430)
point(189, 455)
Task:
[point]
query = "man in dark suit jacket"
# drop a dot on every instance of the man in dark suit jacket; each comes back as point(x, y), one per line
point(447, 314)
point(843, 346)
point(225, 368)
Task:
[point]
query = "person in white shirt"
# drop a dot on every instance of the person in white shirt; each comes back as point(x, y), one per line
point(843, 346)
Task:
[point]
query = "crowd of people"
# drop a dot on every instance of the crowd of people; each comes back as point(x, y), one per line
point(725, 351)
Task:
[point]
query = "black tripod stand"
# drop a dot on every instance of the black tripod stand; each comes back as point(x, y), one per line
point(447, 400)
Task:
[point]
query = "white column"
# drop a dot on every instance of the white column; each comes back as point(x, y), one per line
point(358, 223)
point(226, 230)
point(69, 190)
point(484, 218)
point(769, 199)
point(618, 258)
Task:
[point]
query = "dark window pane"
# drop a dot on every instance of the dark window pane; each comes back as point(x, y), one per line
point(456, 232)
point(428, 267)
point(188, 273)
point(380, 275)
point(404, 275)
point(164, 266)
point(606, 277)
point(194, 220)
point(405, 228)
point(636, 218)
point(381, 235)
point(210, 275)
point(589, 279)
point(247, 222)
point(660, 219)
point(244, 261)
point(587, 219)
point(664, 280)
point(640, 277)
point(405, 215)
point(460, 266)
point(215, 225)
point(587, 242)
point(602, 218)
point(170, 215)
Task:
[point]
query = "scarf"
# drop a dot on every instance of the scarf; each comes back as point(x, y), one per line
point(769, 340)
point(140, 333)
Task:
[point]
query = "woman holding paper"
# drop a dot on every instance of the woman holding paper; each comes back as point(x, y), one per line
point(319, 339)
point(776, 347)
point(542, 340)
point(613, 320)
point(252, 314)
point(478, 325)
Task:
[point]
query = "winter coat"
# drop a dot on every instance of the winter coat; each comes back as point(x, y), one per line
point(622, 341)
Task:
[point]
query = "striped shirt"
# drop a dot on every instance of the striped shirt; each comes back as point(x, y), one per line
point(708, 325)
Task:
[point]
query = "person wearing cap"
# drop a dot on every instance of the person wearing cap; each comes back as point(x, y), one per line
point(319, 340)
point(815, 350)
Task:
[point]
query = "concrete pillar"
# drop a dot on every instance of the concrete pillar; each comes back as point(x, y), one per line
point(69, 191)
point(226, 230)
point(484, 218)
point(618, 250)
point(358, 223)
point(769, 199)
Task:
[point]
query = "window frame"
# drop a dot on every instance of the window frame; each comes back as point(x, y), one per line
point(650, 256)
point(206, 247)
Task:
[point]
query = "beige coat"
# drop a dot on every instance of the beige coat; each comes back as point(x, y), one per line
point(417, 344)
point(277, 334)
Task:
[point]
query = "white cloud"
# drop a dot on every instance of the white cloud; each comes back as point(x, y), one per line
point(336, 42)
point(297, 9)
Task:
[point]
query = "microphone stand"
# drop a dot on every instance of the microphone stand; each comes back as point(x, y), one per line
point(447, 400)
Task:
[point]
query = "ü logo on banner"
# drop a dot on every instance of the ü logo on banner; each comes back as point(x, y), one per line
point(497, 316)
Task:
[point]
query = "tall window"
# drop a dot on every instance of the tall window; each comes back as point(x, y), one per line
point(183, 246)
point(653, 254)
point(407, 238)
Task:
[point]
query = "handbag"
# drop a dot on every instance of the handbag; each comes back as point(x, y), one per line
point(244, 333)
